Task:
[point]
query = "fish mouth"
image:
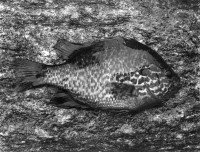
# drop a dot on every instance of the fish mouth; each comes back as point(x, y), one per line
point(173, 89)
point(175, 85)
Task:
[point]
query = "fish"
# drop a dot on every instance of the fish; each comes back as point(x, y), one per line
point(115, 73)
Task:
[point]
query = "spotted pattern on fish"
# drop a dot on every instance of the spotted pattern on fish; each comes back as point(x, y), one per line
point(117, 77)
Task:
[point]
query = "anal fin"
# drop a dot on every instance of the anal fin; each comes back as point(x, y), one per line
point(64, 100)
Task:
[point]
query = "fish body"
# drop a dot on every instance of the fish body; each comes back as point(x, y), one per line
point(115, 73)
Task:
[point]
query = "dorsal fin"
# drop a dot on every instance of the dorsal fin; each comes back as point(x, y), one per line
point(65, 48)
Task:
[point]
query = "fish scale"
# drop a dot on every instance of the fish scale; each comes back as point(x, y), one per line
point(115, 73)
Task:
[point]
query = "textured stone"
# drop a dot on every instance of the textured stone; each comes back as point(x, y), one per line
point(28, 28)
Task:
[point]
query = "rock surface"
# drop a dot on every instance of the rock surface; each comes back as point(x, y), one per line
point(29, 29)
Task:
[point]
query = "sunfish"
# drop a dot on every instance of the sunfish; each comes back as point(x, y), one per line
point(110, 74)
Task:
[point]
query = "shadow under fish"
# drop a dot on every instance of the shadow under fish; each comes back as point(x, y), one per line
point(110, 74)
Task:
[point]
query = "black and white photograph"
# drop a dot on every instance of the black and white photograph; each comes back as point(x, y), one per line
point(99, 75)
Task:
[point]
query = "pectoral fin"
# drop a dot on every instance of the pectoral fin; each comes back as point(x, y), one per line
point(122, 90)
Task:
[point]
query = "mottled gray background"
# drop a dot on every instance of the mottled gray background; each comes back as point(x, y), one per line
point(29, 29)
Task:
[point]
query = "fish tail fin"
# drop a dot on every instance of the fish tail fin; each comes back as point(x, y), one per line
point(28, 73)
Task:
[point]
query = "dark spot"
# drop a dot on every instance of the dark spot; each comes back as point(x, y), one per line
point(117, 77)
point(153, 75)
point(127, 78)
point(65, 79)
point(42, 74)
point(145, 72)
point(122, 77)
point(140, 71)
point(134, 81)
point(141, 80)
point(121, 80)
point(126, 74)
point(147, 79)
